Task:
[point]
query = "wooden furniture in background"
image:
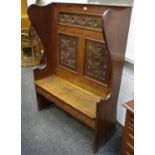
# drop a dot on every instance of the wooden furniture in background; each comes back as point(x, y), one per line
point(26, 50)
point(25, 22)
point(128, 133)
point(31, 47)
point(84, 48)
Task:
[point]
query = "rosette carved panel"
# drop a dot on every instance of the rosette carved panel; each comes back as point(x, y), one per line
point(96, 61)
point(81, 20)
point(67, 51)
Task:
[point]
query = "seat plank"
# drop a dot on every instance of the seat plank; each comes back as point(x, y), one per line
point(71, 94)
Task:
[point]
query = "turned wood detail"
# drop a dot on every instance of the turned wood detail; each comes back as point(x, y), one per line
point(96, 60)
point(81, 20)
point(29, 38)
point(67, 50)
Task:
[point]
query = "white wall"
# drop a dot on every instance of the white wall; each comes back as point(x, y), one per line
point(127, 83)
point(130, 44)
point(48, 1)
point(126, 92)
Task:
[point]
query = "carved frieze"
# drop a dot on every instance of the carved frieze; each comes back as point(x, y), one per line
point(96, 60)
point(68, 48)
point(81, 20)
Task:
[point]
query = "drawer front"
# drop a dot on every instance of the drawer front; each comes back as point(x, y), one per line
point(128, 136)
point(129, 150)
point(130, 139)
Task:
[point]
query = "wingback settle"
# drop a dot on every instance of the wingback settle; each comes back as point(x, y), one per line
point(84, 48)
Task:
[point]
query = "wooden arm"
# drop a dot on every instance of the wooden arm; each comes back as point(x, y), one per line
point(115, 31)
point(115, 26)
point(41, 18)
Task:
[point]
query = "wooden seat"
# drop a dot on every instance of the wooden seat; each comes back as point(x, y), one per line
point(70, 94)
point(84, 53)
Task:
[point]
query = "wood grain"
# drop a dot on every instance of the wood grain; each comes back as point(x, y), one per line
point(66, 107)
point(71, 94)
point(115, 26)
point(25, 22)
point(130, 106)
point(87, 99)
point(128, 131)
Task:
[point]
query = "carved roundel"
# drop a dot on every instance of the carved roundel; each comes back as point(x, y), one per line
point(81, 20)
point(96, 60)
point(67, 51)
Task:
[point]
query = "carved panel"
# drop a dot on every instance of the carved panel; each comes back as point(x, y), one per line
point(67, 48)
point(96, 61)
point(81, 20)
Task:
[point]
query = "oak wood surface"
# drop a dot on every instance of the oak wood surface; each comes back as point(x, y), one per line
point(42, 19)
point(82, 35)
point(92, 101)
point(25, 23)
point(115, 25)
point(71, 94)
point(129, 106)
point(128, 132)
point(66, 107)
point(24, 7)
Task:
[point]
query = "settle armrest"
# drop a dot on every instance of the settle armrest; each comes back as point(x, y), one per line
point(116, 43)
